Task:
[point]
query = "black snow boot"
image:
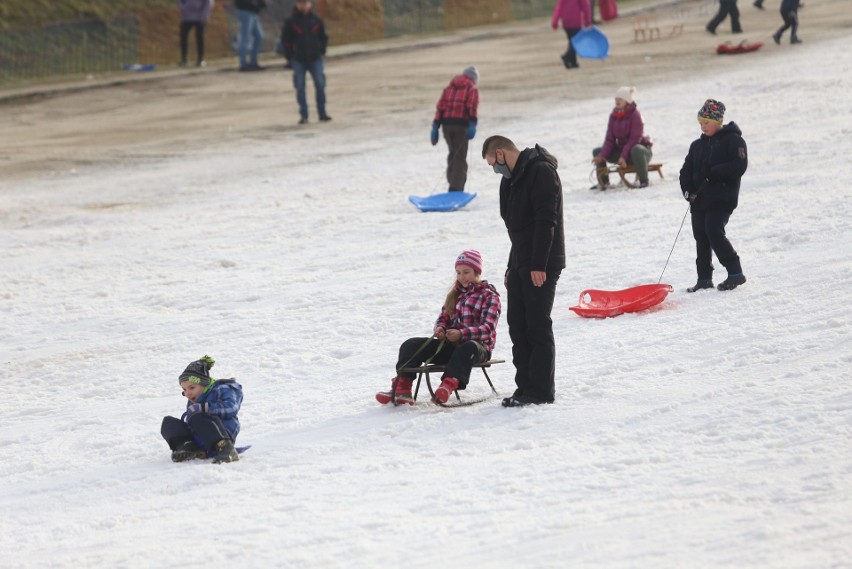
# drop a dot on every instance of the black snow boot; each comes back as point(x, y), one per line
point(226, 452)
point(187, 451)
point(701, 284)
point(732, 282)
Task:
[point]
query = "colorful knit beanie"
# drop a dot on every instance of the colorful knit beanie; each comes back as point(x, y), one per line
point(712, 110)
point(470, 258)
point(198, 372)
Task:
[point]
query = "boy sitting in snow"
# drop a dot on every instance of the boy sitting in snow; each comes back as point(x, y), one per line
point(209, 426)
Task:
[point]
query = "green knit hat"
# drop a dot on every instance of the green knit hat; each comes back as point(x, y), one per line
point(198, 372)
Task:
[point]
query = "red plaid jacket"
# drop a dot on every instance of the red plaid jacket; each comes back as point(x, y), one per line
point(477, 313)
point(458, 102)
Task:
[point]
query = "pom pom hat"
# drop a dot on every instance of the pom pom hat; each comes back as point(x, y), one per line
point(626, 93)
point(198, 372)
point(470, 258)
point(712, 110)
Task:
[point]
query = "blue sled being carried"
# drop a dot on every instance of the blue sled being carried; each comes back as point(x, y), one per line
point(447, 201)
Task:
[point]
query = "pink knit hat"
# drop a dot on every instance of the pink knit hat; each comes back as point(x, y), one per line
point(470, 258)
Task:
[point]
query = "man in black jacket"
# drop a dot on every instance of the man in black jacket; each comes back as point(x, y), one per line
point(531, 207)
point(304, 41)
point(710, 181)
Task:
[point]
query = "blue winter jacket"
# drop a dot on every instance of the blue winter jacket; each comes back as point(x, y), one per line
point(223, 400)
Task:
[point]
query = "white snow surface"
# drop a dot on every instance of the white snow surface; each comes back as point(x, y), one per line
point(712, 431)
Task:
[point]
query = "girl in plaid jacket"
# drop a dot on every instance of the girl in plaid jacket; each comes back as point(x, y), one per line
point(464, 335)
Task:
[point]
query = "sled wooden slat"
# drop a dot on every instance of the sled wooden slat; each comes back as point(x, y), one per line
point(630, 169)
point(433, 368)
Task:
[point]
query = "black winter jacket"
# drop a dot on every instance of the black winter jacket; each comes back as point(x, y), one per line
point(254, 6)
point(531, 207)
point(713, 168)
point(303, 37)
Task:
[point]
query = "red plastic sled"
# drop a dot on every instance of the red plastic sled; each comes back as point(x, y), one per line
point(609, 303)
point(728, 48)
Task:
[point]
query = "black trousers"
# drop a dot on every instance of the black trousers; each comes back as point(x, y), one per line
point(708, 228)
point(570, 56)
point(726, 8)
point(458, 359)
point(791, 20)
point(199, 39)
point(531, 331)
point(206, 430)
point(456, 137)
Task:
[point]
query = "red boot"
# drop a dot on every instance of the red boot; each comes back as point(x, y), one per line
point(442, 394)
point(403, 392)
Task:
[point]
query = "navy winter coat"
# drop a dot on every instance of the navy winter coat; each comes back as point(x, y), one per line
point(713, 168)
point(223, 400)
point(531, 207)
point(788, 6)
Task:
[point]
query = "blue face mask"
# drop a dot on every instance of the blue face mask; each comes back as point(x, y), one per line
point(502, 169)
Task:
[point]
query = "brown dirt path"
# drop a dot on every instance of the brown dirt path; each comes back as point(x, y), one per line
point(51, 130)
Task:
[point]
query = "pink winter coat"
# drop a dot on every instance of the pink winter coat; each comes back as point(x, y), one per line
point(573, 13)
point(625, 132)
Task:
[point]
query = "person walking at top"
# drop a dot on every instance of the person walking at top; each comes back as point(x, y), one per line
point(456, 111)
point(790, 15)
point(575, 15)
point(193, 14)
point(625, 141)
point(726, 8)
point(304, 41)
point(531, 208)
point(250, 33)
point(710, 182)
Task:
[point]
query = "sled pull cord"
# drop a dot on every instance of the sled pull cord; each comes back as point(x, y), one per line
point(673, 244)
point(420, 349)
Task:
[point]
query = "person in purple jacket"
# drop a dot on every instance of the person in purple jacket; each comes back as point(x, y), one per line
point(209, 426)
point(193, 14)
point(625, 142)
point(575, 14)
point(464, 334)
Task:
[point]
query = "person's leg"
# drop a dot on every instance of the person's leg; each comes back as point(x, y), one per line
point(538, 302)
point(570, 57)
point(735, 17)
point(719, 17)
point(640, 156)
point(299, 70)
point(703, 251)
point(184, 41)
point(257, 39)
point(462, 359)
point(715, 222)
point(318, 75)
point(209, 429)
point(457, 144)
point(244, 19)
point(175, 432)
point(517, 320)
point(411, 354)
point(199, 41)
point(794, 24)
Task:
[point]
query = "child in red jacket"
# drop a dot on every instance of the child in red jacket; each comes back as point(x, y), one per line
point(464, 334)
point(456, 111)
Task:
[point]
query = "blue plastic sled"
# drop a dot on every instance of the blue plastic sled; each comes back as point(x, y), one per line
point(591, 43)
point(447, 201)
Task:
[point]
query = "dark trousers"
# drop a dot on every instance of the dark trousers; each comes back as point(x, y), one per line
point(570, 56)
point(708, 228)
point(199, 39)
point(791, 20)
point(458, 359)
point(726, 7)
point(531, 331)
point(206, 430)
point(456, 137)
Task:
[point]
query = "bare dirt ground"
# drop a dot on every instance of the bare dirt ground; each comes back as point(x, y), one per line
point(124, 118)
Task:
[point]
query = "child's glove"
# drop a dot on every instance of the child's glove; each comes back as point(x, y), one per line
point(471, 130)
point(193, 409)
point(689, 197)
point(434, 135)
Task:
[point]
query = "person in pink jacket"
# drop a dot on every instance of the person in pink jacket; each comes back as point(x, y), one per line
point(625, 142)
point(575, 15)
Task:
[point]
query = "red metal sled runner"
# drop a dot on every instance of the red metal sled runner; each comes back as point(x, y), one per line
point(608, 303)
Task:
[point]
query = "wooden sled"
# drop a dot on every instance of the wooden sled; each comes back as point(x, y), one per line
point(432, 368)
point(602, 175)
point(609, 303)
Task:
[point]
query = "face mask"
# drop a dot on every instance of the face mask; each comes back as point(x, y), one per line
point(502, 169)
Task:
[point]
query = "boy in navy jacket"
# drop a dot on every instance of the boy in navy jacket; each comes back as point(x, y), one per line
point(209, 426)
